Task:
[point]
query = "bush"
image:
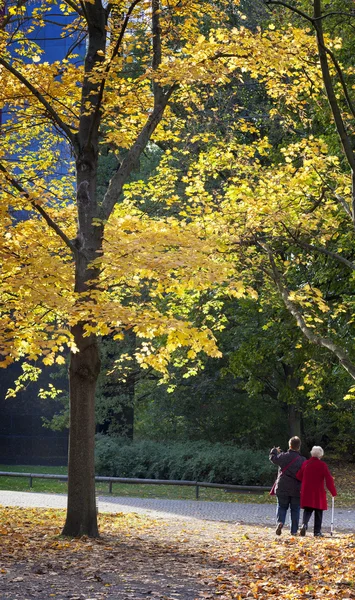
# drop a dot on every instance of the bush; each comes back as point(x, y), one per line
point(192, 461)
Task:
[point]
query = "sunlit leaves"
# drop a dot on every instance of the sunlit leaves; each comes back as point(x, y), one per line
point(230, 190)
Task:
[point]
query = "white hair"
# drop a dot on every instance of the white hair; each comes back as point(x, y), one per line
point(317, 451)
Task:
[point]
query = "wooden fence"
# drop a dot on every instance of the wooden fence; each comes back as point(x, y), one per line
point(241, 489)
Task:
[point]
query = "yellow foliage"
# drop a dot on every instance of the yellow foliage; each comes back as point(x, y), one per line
point(154, 271)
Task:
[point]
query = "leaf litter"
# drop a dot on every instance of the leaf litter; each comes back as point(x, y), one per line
point(141, 558)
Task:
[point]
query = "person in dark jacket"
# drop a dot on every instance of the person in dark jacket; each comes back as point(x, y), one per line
point(287, 486)
point(313, 474)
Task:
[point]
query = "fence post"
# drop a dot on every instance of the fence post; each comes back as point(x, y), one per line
point(197, 491)
point(31, 481)
point(110, 487)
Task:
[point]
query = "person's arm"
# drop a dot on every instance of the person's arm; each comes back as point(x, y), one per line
point(274, 454)
point(329, 481)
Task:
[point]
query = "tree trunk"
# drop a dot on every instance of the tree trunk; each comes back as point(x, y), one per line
point(294, 420)
point(83, 373)
point(84, 364)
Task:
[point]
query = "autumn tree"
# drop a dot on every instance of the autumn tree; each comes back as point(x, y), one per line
point(284, 210)
point(332, 29)
point(78, 266)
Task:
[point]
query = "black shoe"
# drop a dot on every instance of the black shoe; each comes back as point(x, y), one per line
point(303, 530)
point(319, 534)
point(279, 529)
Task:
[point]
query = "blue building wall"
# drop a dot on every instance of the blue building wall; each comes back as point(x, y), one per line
point(23, 439)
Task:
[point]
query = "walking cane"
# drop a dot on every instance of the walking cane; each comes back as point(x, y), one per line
point(332, 520)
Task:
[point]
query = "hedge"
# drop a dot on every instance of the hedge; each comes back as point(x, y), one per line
point(194, 461)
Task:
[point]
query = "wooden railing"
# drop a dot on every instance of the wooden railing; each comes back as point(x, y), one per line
point(241, 489)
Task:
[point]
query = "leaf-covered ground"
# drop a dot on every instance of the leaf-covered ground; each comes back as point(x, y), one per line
point(177, 560)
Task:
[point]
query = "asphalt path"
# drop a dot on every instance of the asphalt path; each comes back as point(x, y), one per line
point(225, 512)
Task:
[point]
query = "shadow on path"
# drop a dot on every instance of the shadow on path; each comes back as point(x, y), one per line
point(253, 514)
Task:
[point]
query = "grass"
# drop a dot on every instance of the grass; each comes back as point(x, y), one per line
point(137, 490)
point(344, 474)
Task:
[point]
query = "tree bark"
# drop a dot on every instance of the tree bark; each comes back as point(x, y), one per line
point(83, 373)
point(294, 420)
point(84, 364)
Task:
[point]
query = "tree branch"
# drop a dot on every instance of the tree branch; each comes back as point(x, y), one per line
point(108, 67)
point(333, 13)
point(54, 115)
point(344, 138)
point(342, 81)
point(317, 202)
point(326, 252)
point(156, 42)
point(323, 51)
point(75, 7)
point(122, 32)
point(338, 198)
point(290, 7)
point(130, 161)
point(83, 8)
point(314, 338)
point(39, 209)
point(7, 19)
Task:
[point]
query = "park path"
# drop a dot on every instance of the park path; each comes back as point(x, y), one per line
point(225, 512)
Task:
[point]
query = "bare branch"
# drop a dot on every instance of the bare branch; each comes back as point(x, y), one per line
point(290, 7)
point(333, 13)
point(16, 184)
point(49, 108)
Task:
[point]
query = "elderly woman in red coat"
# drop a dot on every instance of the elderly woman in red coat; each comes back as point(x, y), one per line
point(314, 473)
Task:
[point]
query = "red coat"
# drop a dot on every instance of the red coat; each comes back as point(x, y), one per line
point(313, 474)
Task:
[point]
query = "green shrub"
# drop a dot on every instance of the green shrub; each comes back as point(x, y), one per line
point(192, 461)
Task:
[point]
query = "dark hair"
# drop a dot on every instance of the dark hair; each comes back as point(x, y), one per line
point(295, 443)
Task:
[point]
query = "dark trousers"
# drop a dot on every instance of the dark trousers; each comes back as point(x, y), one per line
point(283, 504)
point(318, 517)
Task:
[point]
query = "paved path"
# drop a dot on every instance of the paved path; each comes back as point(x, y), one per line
point(261, 514)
